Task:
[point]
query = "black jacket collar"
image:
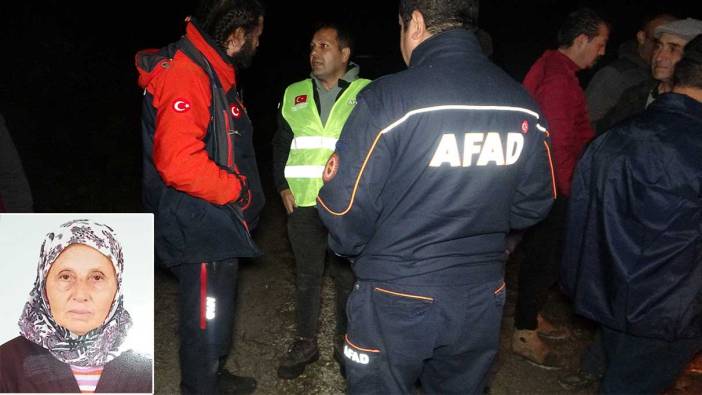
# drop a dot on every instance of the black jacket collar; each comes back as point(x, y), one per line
point(445, 45)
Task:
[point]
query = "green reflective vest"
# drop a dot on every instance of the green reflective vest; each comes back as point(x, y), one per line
point(313, 143)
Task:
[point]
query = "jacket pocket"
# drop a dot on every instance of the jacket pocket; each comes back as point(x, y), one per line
point(401, 306)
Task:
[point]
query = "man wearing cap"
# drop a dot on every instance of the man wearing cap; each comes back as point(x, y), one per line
point(631, 68)
point(670, 42)
point(632, 260)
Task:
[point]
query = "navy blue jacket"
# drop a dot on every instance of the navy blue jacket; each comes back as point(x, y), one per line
point(434, 166)
point(633, 253)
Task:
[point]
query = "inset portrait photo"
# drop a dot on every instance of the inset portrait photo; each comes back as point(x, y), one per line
point(77, 303)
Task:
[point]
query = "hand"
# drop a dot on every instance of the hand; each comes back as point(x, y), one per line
point(288, 200)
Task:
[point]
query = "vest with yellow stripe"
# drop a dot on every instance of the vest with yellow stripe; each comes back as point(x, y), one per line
point(313, 143)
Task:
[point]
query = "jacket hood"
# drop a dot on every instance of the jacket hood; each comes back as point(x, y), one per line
point(352, 72)
point(151, 62)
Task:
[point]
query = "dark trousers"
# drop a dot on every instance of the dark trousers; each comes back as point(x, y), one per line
point(640, 365)
point(446, 337)
point(308, 239)
point(593, 360)
point(538, 271)
point(207, 302)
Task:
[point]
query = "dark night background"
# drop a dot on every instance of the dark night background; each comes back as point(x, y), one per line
point(70, 99)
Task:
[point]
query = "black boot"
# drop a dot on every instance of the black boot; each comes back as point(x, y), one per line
point(229, 383)
point(301, 353)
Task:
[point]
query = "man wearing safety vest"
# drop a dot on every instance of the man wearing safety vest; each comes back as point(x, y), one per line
point(312, 114)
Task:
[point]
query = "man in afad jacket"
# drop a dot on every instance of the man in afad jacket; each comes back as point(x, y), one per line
point(201, 180)
point(433, 168)
point(632, 258)
point(312, 113)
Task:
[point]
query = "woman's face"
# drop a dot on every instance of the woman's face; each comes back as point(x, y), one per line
point(81, 286)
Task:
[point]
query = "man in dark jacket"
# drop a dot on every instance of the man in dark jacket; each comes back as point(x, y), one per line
point(433, 168)
point(201, 180)
point(632, 67)
point(632, 260)
point(670, 43)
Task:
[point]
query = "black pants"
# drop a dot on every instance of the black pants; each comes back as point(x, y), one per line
point(207, 302)
point(308, 239)
point(542, 245)
point(593, 360)
point(640, 365)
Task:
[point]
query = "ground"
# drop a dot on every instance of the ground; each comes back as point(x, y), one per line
point(265, 325)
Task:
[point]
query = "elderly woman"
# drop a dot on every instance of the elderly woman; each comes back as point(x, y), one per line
point(73, 326)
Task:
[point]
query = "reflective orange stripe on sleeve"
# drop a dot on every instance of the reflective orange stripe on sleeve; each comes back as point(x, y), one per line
point(553, 174)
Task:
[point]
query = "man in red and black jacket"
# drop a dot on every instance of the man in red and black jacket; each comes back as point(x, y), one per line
point(201, 180)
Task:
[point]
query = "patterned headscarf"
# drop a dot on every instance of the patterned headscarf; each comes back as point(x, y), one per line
point(100, 345)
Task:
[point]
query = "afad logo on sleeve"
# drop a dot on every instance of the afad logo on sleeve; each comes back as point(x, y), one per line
point(331, 168)
point(181, 105)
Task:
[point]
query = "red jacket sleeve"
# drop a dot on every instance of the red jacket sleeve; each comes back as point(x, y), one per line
point(557, 100)
point(182, 97)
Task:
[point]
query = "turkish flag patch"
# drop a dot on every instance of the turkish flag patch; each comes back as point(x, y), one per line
point(236, 111)
point(181, 105)
point(525, 126)
point(331, 168)
point(300, 99)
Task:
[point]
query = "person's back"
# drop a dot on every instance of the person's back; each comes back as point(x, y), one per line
point(651, 225)
point(632, 262)
point(434, 166)
point(447, 202)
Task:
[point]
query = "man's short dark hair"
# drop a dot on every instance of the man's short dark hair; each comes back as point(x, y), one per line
point(688, 71)
point(442, 15)
point(343, 33)
point(220, 18)
point(581, 21)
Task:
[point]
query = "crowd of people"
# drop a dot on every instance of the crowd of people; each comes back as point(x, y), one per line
point(415, 188)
